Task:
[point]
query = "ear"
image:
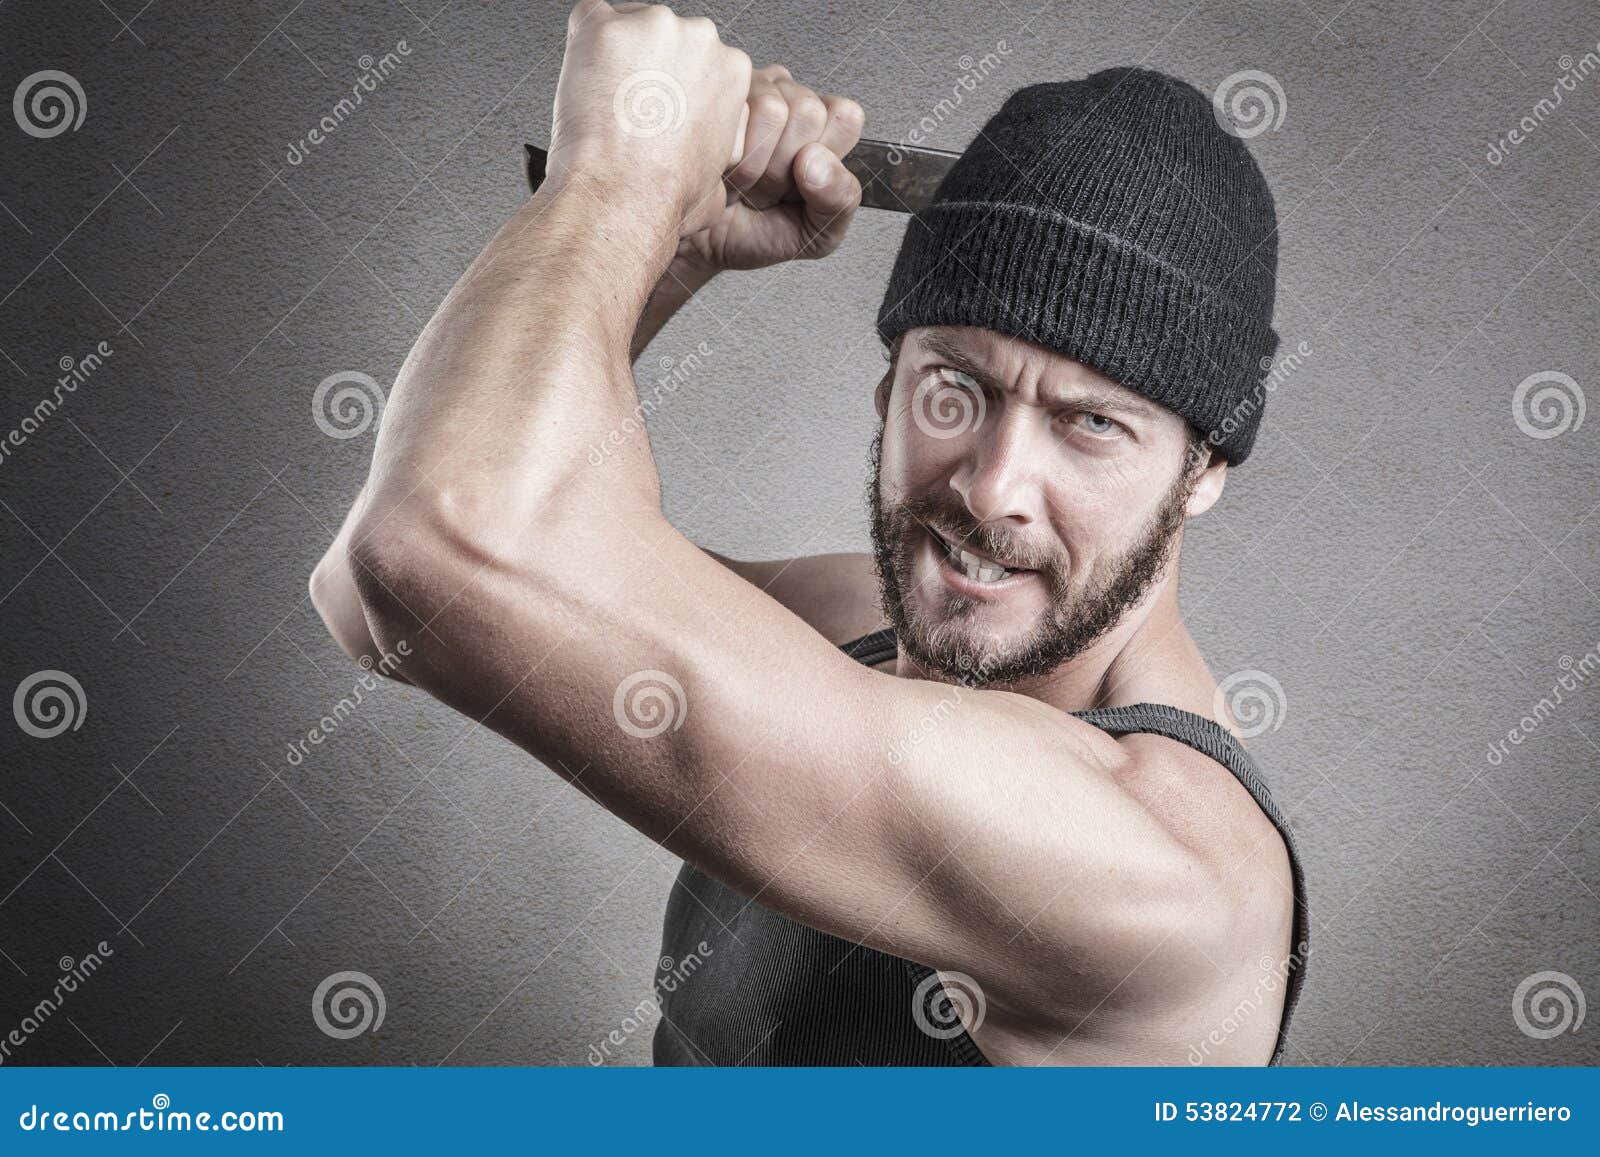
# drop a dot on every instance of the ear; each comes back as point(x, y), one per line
point(885, 387)
point(1208, 486)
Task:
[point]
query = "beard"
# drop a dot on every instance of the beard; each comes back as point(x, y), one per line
point(1075, 620)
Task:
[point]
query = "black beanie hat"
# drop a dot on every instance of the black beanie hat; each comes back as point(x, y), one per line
point(1114, 220)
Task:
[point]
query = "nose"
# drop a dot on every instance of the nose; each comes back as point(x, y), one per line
point(996, 475)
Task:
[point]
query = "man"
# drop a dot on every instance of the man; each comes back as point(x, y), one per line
point(987, 817)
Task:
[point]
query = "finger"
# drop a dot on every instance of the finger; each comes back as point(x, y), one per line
point(768, 113)
point(737, 154)
point(846, 119)
point(737, 84)
point(831, 196)
point(808, 116)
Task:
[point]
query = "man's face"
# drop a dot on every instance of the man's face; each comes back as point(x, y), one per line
point(1030, 462)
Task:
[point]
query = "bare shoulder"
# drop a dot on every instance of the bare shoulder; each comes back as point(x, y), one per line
point(1237, 956)
point(837, 594)
point(1207, 810)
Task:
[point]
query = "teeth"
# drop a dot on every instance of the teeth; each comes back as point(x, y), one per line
point(975, 568)
point(980, 570)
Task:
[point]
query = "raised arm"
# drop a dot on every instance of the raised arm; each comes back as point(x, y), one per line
point(333, 585)
point(740, 238)
point(971, 830)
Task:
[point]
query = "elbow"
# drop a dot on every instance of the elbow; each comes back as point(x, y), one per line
point(431, 574)
point(331, 596)
point(334, 596)
point(317, 587)
point(407, 570)
point(387, 581)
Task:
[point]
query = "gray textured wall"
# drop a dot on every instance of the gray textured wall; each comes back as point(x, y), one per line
point(1411, 566)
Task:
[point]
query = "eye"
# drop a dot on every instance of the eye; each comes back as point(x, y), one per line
point(948, 403)
point(1099, 425)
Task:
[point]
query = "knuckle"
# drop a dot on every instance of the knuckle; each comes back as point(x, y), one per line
point(702, 26)
point(807, 110)
point(849, 112)
point(740, 60)
point(582, 13)
point(769, 107)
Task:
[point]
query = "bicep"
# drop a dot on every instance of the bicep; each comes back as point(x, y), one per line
point(963, 829)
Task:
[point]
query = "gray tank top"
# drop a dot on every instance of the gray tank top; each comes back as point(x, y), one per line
point(738, 984)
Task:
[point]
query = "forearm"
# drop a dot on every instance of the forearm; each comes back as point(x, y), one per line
point(523, 368)
point(333, 585)
point(682, 280)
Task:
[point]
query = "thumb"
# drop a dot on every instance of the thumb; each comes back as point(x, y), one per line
point(831, 195)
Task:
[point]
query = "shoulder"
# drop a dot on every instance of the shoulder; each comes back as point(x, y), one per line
point(1152, 886)
point(1242, 860)
point(1203, 805)
point(836, 594)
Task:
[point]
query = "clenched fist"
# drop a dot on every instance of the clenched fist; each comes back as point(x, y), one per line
point(747, 164)
point(789, 195)
point(652, 105)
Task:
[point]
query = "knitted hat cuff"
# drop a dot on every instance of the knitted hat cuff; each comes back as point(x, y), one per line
point(1033, 273)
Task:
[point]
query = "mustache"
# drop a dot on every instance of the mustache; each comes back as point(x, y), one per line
point(956, 524)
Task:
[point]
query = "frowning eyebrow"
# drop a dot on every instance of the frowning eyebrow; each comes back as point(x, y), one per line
point(1075, 399)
